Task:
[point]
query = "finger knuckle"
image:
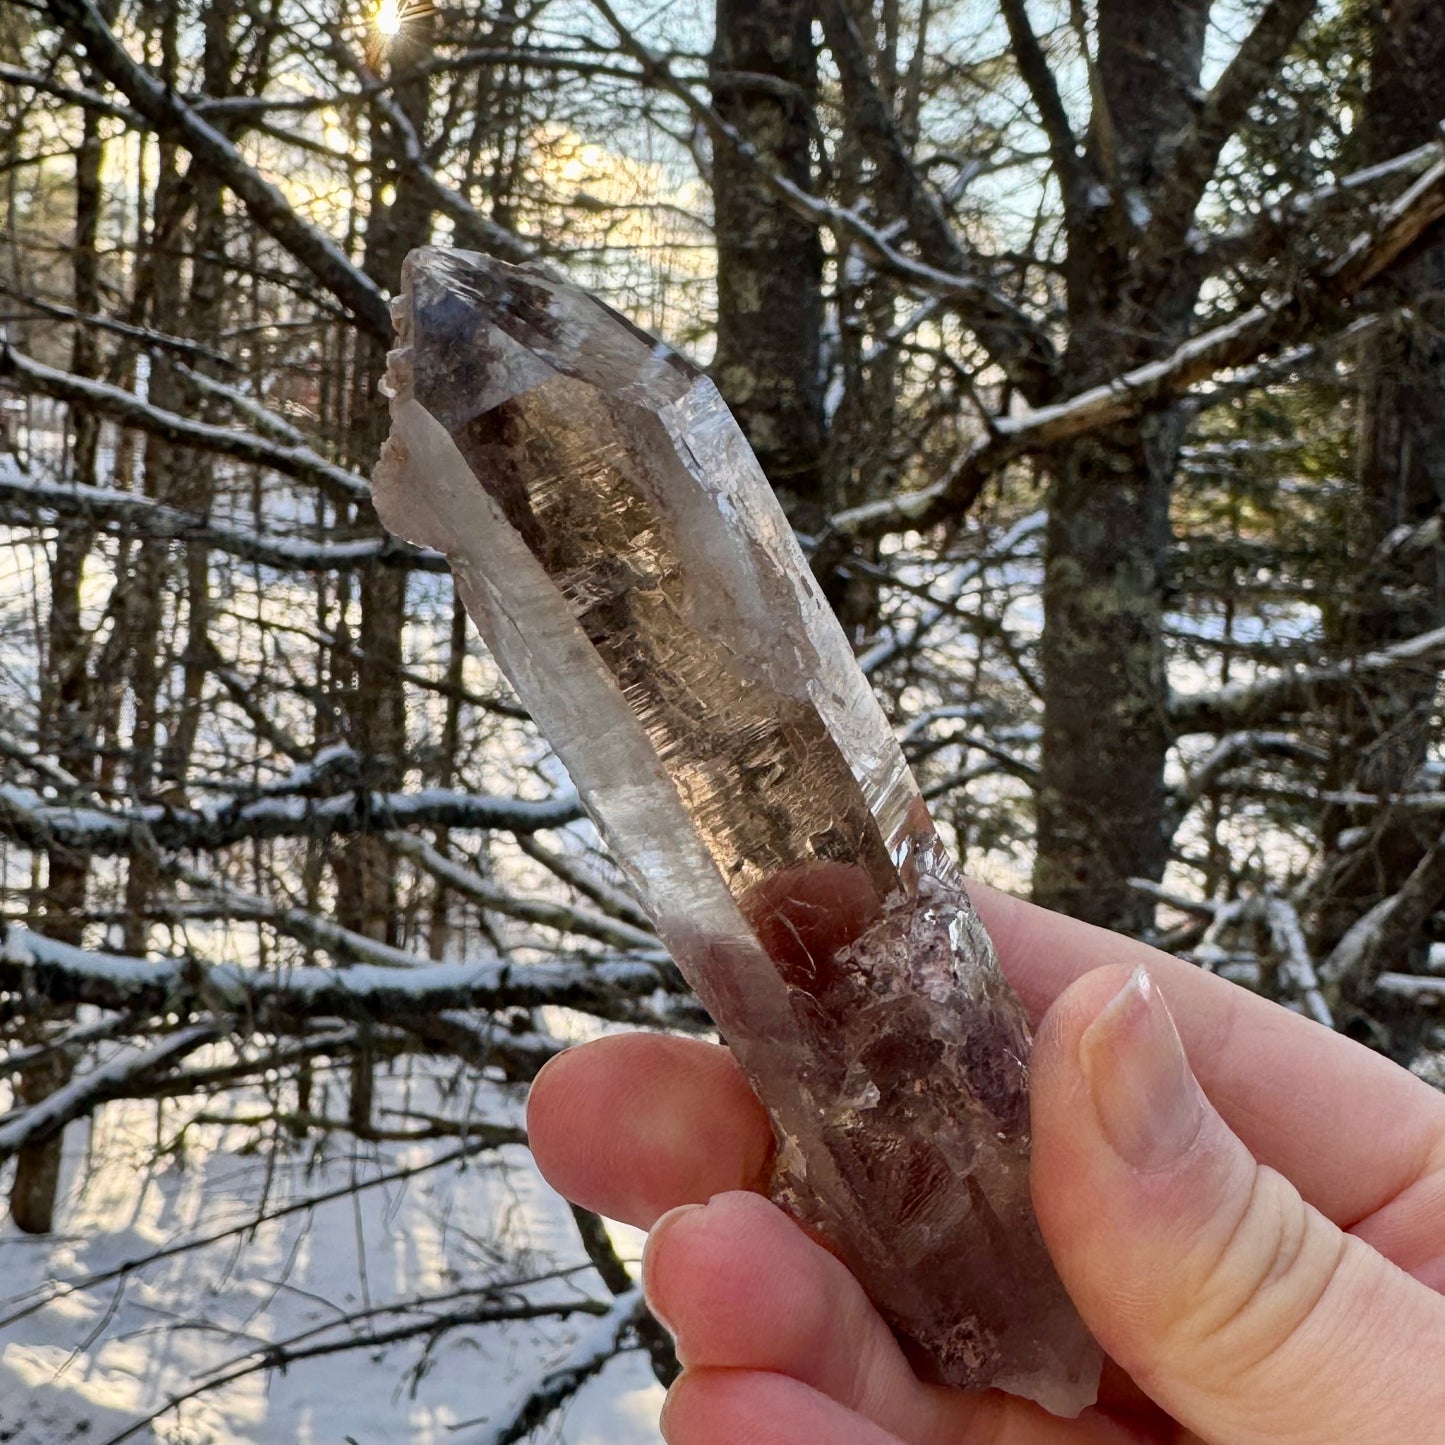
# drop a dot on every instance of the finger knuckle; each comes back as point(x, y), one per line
point(1260, 1284)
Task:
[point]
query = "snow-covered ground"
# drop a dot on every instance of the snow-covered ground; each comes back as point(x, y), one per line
point(85, 1355)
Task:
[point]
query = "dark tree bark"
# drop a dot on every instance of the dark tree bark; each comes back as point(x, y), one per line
point(206, 306)
point(439, 926)
point(1383, 728)
point(65, 725)
point(66, 716)
point(399, 219)
point(1101, 792)
point(169, 479)
point(770, 262)
point(863, 454)
point(1101, 795)
point(173, 476)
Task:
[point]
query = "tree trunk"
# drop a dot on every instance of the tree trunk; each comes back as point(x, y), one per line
point(439, 928)
point(399, 220)
point(142, 593)
point(770, 263)
point(1101, 796)
point(66, 728)
point(864, 459)
point(1101, 792)
point(206, 310)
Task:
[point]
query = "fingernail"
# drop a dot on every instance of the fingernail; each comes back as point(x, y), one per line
point(1148, 1102)
point(649, 1261)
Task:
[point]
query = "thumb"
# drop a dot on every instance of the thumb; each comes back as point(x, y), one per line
point(1235, 1305)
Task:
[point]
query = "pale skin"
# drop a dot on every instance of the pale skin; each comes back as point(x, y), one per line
point(1256, 1236)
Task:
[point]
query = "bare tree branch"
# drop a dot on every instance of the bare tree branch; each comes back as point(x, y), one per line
point(87, 99)
point(270, 210)
point(280, 1356)
point(102, 399)
point(472, 228)
point(31, 501)
point(63, 973)
point(616, 902)
point(1074, 180)
point(980, 305)
point(1401, 227)
point(589, 1354)
point(1015, 341)
point(1385, 931)
point(59, 1289)
point(592, 1230)
point(1417, 988)
point(30, 820)
point(1321, 296)
point(561, 916)
point(1193, 163)
point(1289, 942)
point(150, 339)
point(1254, 704)
point(116, 1079)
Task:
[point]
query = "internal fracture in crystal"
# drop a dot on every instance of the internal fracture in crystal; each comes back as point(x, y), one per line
point(631, 571)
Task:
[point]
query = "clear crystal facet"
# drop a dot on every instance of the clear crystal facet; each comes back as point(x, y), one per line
point(626, 561)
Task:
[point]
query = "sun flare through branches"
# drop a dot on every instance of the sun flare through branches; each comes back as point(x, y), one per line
point(387, 19)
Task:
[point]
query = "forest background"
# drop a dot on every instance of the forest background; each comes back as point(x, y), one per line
point(1096, 349)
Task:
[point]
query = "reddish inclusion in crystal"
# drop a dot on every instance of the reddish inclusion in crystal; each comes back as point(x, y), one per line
point(806, 915)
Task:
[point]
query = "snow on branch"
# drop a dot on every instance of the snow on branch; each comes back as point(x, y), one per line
point(1288, 938)
point(1231, 750)
point(25, 751)
point(26, 499)
point(345, 945)
point(1246, 705)
point(102, 399)
point(614, 901)
point(1270, 231)
point(1418, 988)
point(1205, 908)
point(593, 1348)
point(70, 1041)
point(1400, 227)
point(1323, 296)
point(277, 1000)
point(1384, 933)
point(248, 407)
point(36, 823)
point(117, 1078)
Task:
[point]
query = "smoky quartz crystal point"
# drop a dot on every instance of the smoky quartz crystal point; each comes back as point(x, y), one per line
point(625, 559)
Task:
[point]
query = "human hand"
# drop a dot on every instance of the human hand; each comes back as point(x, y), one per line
point(1258, 1243)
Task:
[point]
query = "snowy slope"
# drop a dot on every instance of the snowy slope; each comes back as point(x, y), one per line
point(88, 1356)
